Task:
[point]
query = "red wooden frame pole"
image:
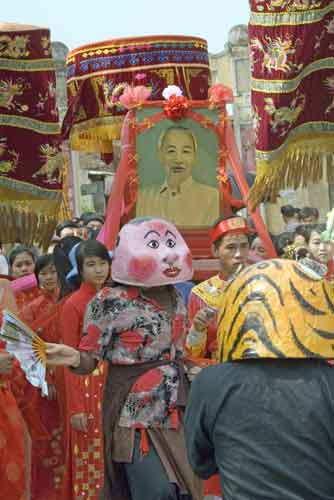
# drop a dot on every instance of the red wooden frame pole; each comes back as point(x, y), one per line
point(111, 227)
point(236, 166)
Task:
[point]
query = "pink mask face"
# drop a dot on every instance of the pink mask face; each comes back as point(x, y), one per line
point(151, 253)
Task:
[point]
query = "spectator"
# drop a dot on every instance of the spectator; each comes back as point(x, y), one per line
point(257, 251)
point(55, 240)
point(22, 261)
point(94, 222)
point(84, 217)
point(290, 217)
point(319, 250)
point(63, 264)
point(309, 215)
point(4, 268)
point(66, 228)
point(282, 242)
point(299, 240)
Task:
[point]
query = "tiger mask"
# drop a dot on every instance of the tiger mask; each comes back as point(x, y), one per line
point(277, 309)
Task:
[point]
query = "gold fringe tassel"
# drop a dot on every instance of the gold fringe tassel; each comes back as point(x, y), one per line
point(96, 138)
point(29, 226)
point(306, 159)
point(65, 212)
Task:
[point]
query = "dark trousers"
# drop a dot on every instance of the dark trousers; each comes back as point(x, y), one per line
point(147, 478)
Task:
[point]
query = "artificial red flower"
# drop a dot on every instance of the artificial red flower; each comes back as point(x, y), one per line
point(176, 107)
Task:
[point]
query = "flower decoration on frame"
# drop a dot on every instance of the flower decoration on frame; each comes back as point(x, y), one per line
point(134, 96)
point(220, 95)
point(176, 106)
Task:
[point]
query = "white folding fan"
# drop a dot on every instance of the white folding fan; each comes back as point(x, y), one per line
point(27, 347)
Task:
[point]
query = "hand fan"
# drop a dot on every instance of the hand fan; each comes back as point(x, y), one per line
point(27, 347)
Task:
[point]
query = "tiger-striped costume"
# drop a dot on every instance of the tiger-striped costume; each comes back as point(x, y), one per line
point(277, 309)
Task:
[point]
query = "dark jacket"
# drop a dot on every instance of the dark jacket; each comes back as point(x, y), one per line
point(267, 427)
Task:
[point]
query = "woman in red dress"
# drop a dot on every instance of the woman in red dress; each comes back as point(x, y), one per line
point(83, 395)
point(22, 261)
point(14, 473)
point(48, 455)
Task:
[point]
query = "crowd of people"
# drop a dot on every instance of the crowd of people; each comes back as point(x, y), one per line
point(136, 341)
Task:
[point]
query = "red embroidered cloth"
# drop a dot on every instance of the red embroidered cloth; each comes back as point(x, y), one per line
point(292, 61)
point(97, 75)
point(30, 156)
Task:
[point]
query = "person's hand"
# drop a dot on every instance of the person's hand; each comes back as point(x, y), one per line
point(202, 319)
point(6, 363)
point(62, 355)
point(52, 392)
point(79, 422)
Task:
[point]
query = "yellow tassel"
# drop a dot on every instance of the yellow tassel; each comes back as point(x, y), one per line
point(305, 159)
point(96, 136)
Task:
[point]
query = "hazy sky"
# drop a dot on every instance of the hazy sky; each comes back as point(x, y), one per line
point(76, 22)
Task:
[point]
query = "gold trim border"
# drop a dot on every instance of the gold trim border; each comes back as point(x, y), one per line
point(287, 86)
point(276, 19)
point(201, 42)
point(38, 126)
point(137, 69)
point(32, 65)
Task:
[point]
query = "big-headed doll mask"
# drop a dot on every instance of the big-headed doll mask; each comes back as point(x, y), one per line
point(151, 252)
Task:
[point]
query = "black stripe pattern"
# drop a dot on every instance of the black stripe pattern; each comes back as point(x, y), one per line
point(275, 309)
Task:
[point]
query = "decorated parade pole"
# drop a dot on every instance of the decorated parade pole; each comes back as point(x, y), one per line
point(236, 166)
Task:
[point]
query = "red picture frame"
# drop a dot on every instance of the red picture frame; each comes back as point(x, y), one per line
point(122, 202)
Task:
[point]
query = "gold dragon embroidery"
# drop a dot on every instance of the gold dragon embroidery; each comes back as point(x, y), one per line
point(9, 165)
point(283, 118)
point(329, 83)
point(9, 89)
point(14, 47)
point(276, 53)
point(112, 94)
point(296, 5)
point(53, 163)
point(46, 45)
point(323, 37)
point(45, 99)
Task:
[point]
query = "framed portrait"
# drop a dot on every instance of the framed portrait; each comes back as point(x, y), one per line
point(174, 171)
point(174, 166)
point(177, 169)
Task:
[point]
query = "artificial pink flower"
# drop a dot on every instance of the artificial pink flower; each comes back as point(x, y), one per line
point(220, 94)
point(134, 96)
point(140, 76)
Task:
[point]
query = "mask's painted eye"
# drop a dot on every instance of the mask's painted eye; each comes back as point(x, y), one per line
point(153, 244)
point(170, 243)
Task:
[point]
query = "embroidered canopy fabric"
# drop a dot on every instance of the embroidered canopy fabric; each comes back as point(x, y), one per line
point(30, 156)
point(97, 75)
point(292, 62)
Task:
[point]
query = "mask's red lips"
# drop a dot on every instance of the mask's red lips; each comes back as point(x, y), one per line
point(172, 272)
